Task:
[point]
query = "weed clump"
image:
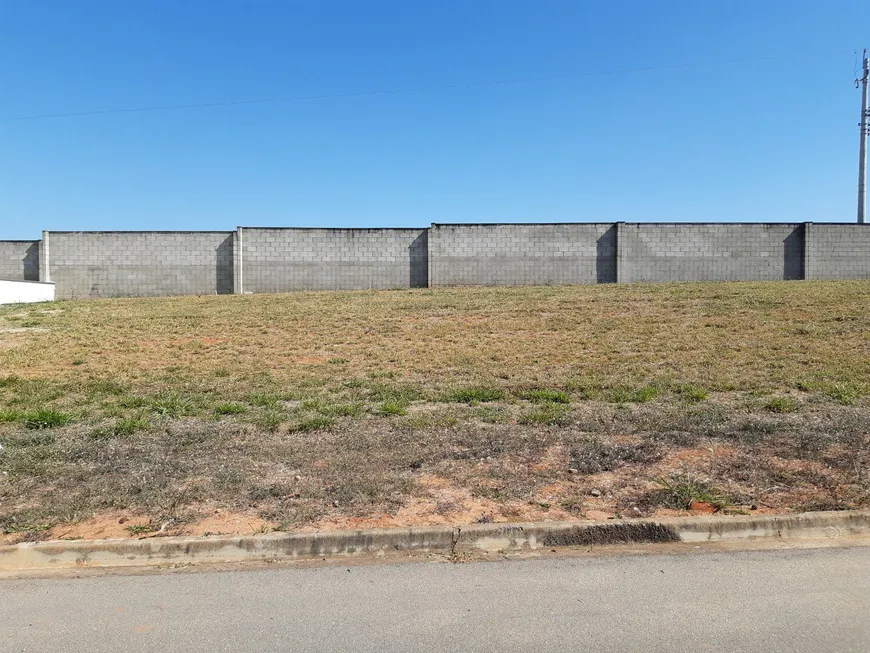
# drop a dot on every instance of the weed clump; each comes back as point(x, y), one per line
point(45, 418)
point(392, 407)
point(230, 408)
point(640, 395)
point(681, 491)
point(782, 405)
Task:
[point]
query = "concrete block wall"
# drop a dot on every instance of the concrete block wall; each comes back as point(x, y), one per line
point(19, 260)
point(134, 264)
point(288, 259)
point(139, 264)
point(710, 252)
point(522, 254)
point(838, 251)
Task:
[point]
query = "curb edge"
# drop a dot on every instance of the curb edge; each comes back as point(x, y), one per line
point(444, 540)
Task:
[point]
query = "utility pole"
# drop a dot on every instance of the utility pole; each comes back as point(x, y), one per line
point(862, 148)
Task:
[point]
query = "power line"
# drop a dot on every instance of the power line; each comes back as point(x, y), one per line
point(416, 89)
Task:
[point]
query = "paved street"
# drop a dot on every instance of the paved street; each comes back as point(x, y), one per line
point(792, 600)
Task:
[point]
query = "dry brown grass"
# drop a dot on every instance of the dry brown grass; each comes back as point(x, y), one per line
point(396, 407)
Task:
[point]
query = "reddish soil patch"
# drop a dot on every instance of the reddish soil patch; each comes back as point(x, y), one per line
point(103, 527)
point(224, 522)
point(118, 525)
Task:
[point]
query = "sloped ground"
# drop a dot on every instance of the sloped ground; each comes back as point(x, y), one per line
point(332, 410)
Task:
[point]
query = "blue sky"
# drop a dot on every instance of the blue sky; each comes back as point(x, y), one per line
point(768, 140)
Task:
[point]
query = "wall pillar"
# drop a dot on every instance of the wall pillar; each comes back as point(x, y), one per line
point(808, 250)
point(431, 255)
point(44, 269)
point(621, 271)
point(238, 271)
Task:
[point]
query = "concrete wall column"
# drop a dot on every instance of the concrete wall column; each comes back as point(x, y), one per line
point(621, 268)
point(808, 250)
point(431, 255)
point(44, 269)
point(238, 263)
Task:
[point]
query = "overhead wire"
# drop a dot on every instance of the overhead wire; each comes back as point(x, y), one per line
point(414, 89)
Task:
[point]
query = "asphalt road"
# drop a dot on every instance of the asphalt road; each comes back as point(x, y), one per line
point(794, 600)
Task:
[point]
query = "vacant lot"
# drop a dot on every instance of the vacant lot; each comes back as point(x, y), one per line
point(312, 410)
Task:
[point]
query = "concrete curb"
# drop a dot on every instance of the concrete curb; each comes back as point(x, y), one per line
point(444, 540)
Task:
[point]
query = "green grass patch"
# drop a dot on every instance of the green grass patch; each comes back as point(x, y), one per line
point(263, 400)
point(10, 416)
point(691, 393)
point(844, 393)
point(230, 408)
point(393, 392)
point(314, 403)
point(12, 526)
point(315, 423)
point(782, 405)
point(640, 395)
point(45, 418)
point(270, 419)
point(354, 383)
point(392, 407)
point(172, 404)
point(131, 425)
point(134, 401)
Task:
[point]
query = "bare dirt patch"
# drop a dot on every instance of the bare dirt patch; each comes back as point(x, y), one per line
point(223, 522)
point(108, 526)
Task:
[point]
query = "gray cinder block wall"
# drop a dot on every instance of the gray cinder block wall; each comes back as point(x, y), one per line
point(19, 260)
point(131, 264)
point(522, 254)
point(140, 264)
point(838, 251)
point(288, 259)
point(711, 252)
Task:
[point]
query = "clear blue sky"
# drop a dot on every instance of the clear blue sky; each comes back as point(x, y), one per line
point(763, 141)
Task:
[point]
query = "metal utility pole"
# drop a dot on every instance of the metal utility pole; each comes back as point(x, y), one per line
point(862, 148)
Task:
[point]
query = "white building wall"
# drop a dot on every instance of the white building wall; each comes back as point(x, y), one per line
point(25, 292)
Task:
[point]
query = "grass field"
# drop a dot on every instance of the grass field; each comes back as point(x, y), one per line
point(220, 414)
